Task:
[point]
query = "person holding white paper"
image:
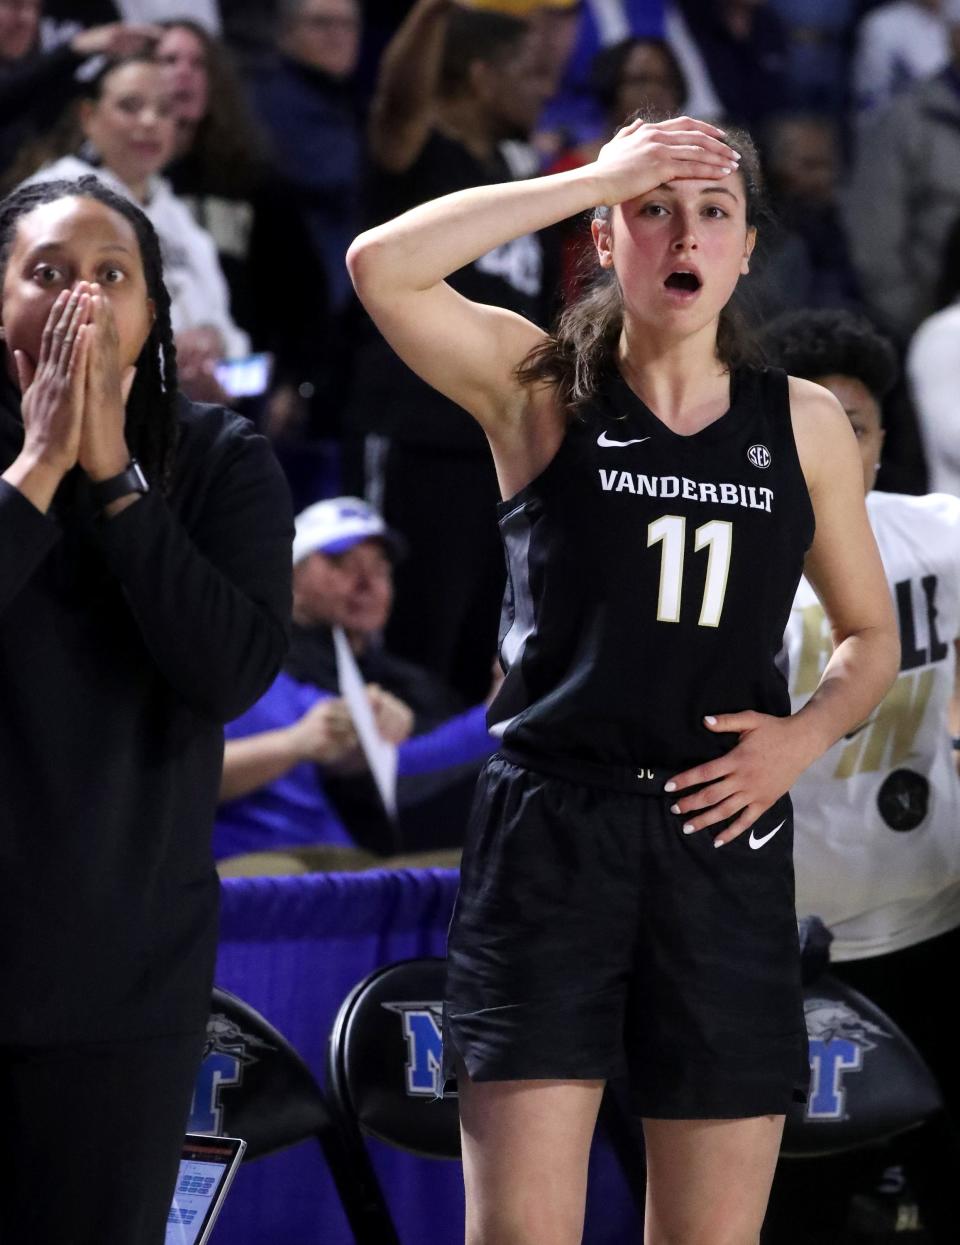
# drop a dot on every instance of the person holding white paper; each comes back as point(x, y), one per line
point(295, 773)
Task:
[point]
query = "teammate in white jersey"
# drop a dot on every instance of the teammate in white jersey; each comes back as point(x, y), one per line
point(877, 817)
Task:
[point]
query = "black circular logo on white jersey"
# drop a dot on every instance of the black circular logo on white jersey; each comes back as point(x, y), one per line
point(759, 456)
point(903, 799)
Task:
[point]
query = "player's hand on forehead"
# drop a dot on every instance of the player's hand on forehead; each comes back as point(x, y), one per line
point(644, 155)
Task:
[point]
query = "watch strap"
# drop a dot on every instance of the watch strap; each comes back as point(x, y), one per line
point(130, 480)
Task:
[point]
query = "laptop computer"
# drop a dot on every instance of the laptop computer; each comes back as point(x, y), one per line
point(207, 1166)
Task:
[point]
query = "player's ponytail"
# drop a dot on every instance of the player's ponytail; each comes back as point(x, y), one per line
point(582, 347)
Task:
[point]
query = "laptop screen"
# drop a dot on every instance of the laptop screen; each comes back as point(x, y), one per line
point(207, 1165)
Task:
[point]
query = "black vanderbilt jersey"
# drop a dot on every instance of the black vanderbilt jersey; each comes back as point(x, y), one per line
point(651, 577)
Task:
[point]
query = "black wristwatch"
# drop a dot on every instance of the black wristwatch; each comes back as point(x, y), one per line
point(130, 480)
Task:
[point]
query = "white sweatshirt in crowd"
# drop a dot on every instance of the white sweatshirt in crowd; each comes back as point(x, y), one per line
point(191, 268)
point(933, 373)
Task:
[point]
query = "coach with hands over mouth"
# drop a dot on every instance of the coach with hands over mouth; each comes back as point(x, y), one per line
point(144, 599)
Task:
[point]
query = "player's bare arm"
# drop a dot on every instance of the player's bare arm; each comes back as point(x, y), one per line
point(844, 567)
point(470, 352)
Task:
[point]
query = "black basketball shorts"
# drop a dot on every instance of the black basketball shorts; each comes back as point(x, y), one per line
point(593, 939)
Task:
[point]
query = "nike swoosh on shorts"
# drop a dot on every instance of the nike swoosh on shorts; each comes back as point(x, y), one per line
point(765, 838)
point(604, 441)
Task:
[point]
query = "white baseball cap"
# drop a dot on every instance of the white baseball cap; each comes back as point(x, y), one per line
point(336, 525)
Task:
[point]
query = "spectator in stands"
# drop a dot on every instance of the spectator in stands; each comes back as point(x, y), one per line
point(933, 374)
point(568, 34)
point(36, 86)
point(293, 775)
point(222, 171)
point(905, 196)
point(817, 66)
point(558, 26)
point(454, 85)
point(19, 28)
point(306, 98)
point(743, 45)
point(273, 794)
point(92, 12)
point(219, 154)
point(877, 816)
point(127, 125)
point(897, 44)
point(703, 101)
point(803, 257)
point(636, 74)
point(245, 25)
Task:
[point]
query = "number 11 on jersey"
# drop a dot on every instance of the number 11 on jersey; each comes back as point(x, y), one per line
point(716, 537)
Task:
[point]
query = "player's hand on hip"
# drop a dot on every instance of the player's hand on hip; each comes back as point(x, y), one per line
point(642, 156)
point(743, 784)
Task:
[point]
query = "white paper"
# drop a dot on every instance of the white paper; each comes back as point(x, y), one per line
point(380, 753)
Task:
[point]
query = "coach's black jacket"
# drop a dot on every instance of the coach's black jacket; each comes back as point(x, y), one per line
point(125, 643)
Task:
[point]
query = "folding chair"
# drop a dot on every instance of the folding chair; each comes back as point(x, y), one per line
point(871, 1089)
point(868, 1082)
point(383, 1078)
point(869, 1085)
point(253, 1084)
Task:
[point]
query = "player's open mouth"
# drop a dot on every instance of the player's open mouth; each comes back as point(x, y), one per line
point(683, 281)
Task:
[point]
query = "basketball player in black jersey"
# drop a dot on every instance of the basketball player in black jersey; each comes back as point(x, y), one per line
point(663, 499)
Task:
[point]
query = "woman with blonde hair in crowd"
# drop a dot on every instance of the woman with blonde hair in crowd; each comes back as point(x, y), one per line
point(123, 132)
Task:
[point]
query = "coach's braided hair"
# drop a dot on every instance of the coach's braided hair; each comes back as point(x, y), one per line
point(151, 419)
point(583, 344)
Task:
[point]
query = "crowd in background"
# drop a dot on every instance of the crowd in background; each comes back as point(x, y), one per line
point(261, 138)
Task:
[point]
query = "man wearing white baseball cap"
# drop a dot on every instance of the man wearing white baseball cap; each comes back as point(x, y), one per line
point(336, 525)
point(293, 772)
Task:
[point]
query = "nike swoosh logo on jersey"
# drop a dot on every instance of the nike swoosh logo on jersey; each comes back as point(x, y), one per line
point(604, 441)
point(755, 842)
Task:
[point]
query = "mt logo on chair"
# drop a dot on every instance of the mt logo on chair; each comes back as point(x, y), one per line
point(424, 1035)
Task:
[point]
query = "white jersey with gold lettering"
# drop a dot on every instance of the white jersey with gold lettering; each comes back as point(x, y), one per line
point(877, 818)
